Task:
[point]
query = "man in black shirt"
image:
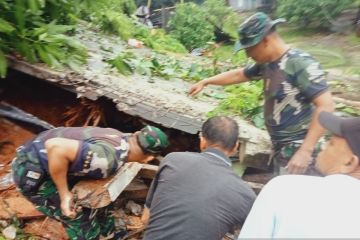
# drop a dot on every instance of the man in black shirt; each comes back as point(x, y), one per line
point(197, 195)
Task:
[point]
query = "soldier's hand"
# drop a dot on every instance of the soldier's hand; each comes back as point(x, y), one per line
point(196, 88)
point(299, 162)
point(67, 205)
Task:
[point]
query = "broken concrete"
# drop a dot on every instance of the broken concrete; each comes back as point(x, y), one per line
point(160, 101)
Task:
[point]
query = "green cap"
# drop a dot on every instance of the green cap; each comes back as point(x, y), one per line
point(254, 29)
point(152, 139)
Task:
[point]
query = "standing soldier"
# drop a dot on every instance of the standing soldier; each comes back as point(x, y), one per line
point(295, 91)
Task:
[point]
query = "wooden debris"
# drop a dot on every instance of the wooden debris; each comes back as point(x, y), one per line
point(46, 229)
point(88, 113)
point(148, 171)
point(136, 190)
point(259, 177)
point(100, 193)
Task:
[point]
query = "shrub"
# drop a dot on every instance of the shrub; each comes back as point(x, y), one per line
point(117, 22)
point(223, 17)
point(30, 29)
point(190, 27)
point(158, 40)
point(310, 13)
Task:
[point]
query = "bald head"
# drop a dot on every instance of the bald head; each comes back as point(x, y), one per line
point(222, 131)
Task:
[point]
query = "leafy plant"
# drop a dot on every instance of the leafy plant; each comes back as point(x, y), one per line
point(117, 22)
point(310, 13)
point(225, 53)
point(351, 111)
point(223, 17)
point(26, 29)
point(123, 63)
point(246, 99)
point(162, 66)
point(158, 40)
point(90, 10)
point(190, 27)
point(198, 72)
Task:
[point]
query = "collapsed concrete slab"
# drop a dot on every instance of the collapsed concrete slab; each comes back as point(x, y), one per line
point(161, 101)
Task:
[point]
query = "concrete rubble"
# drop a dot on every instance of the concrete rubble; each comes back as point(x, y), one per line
point(164, 102)
point(161, 101)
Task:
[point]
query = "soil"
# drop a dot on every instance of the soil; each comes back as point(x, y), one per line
point(346, 74)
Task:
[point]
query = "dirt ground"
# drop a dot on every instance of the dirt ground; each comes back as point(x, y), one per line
point(340, 56)
point(11, 201)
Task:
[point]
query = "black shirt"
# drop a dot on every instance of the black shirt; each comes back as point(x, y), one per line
point(196, 196)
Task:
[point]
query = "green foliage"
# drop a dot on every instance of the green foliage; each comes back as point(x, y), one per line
point(162, 66)
point(122, 63)
point(222, 16)
point(246, 99)
point(3, 64)
point(25, 28)
point(329, 58)
point(158, 40)
point(311, 13)
point(116, 22)
point(127, 63)
point(295, 34)
point(351, 111)
point(226, 53)
point(128, 7)
point(156, 4)
point(90, 9)
point(217, 11)
point(190, 27)
point(198, 72)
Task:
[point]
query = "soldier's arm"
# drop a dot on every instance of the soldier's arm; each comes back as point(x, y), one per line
point(61, 153)
point(225, 78)
point(325, 103)
point(322, 102)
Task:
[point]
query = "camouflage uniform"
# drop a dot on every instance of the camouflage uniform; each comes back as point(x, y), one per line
point(290, 85)
point(102, 151)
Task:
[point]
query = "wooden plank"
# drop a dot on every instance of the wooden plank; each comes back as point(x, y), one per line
point(100, 193)
point(136, 190)
point(148, 171)
point(122, 179)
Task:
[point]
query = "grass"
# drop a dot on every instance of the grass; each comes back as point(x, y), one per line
point(293, 34)
point(353, 39)
point(226, 53)
point(328, 58)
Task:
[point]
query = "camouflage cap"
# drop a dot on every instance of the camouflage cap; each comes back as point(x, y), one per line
point(152, 139)
point(254, 29)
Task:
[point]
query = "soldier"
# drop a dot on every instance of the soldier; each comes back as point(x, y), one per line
point(295, 92)
point(48, 166)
